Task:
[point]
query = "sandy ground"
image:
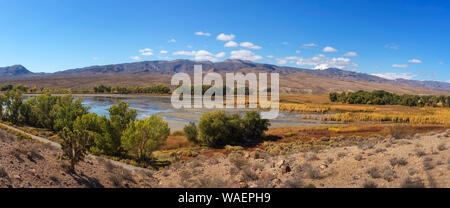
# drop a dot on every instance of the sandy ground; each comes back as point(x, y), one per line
point(423, 161)
point(30, 164)
point(420, 161)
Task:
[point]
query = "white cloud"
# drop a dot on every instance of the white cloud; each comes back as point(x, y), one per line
point(351, 53)
point(135, 58)
point(270, 56)
point(329, 49)
point(448, 81)
point(319, 62)
point(146, 52)
point(245, 55)
point(282, 61)
point(224, 37)
point(163, 51)
point(390, 75)
point(392, 46)
point(250, 45)
point(221, 55)
point(400, 65)
point(285, 43)
point(184, 53)
point(189, 46)
point(309, 45)
point(172, 41)
point(203, 34)
point(201, 55)
point(231, 44)
point(416, 61)
point(297, 51)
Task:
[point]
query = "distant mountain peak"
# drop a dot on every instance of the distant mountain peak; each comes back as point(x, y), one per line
point(14, 71)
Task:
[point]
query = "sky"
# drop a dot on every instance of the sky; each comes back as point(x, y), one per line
point(391, 39)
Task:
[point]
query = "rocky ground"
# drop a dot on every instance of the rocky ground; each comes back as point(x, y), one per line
point(420, 161)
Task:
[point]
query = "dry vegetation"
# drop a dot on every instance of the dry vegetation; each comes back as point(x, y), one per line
point(27, 163)
point(342, 161)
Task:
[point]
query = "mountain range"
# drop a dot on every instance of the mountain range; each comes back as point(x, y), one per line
point(19, 74)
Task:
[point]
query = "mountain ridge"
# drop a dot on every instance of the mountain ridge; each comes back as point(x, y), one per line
point(229, 65)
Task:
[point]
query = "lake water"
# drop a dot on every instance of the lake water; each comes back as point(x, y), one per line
point(147, 106)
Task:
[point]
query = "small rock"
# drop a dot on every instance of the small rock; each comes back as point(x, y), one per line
point(323, 166)
point(16, 177)
point(276, 181)
point(280, 163)
point(266, 175)
point(285, 169)
point(254, 155)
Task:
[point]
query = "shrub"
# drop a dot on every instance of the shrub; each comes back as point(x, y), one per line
point(3, 173)
point(75, 145)
point(359, 157)
point(420, 152)
point(191, 132)
point(427, 163)
point(218, 129)
point(178, 133)
point(398, 161)
point(373, 172)
point(389, 174)
point(142, 137)
point(412, 183)
point(369, 184)
point(399, 131)
point(254, 126)
point(441, 147)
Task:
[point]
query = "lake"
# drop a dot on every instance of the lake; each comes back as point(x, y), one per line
point(147, 106)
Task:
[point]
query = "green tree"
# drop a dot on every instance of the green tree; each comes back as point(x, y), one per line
point(142, 137)
point(254, 126)
point(42, 107)
point(218, 129)
point(2, 103)
point(120, 116)
point(191, 132)
point(66, 110)
point(99, 127)
point(13, 103)
point(75, 145)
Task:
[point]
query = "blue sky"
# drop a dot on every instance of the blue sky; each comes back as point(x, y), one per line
point(408, 39)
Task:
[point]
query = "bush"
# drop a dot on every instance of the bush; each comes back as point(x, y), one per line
point(254, 126)
point(369, 184)
point(142, 137)
point(412, 183)
point(191, 132)
point(399, 131)
point(75, 145)
point(373, 172)
point(218, 129)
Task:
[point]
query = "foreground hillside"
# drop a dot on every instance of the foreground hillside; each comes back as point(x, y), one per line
point(419, 161)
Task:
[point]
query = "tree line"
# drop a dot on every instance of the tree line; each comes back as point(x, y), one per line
point(120, 134)
point(381, 97)
point(225, 90)
point(156, 89)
